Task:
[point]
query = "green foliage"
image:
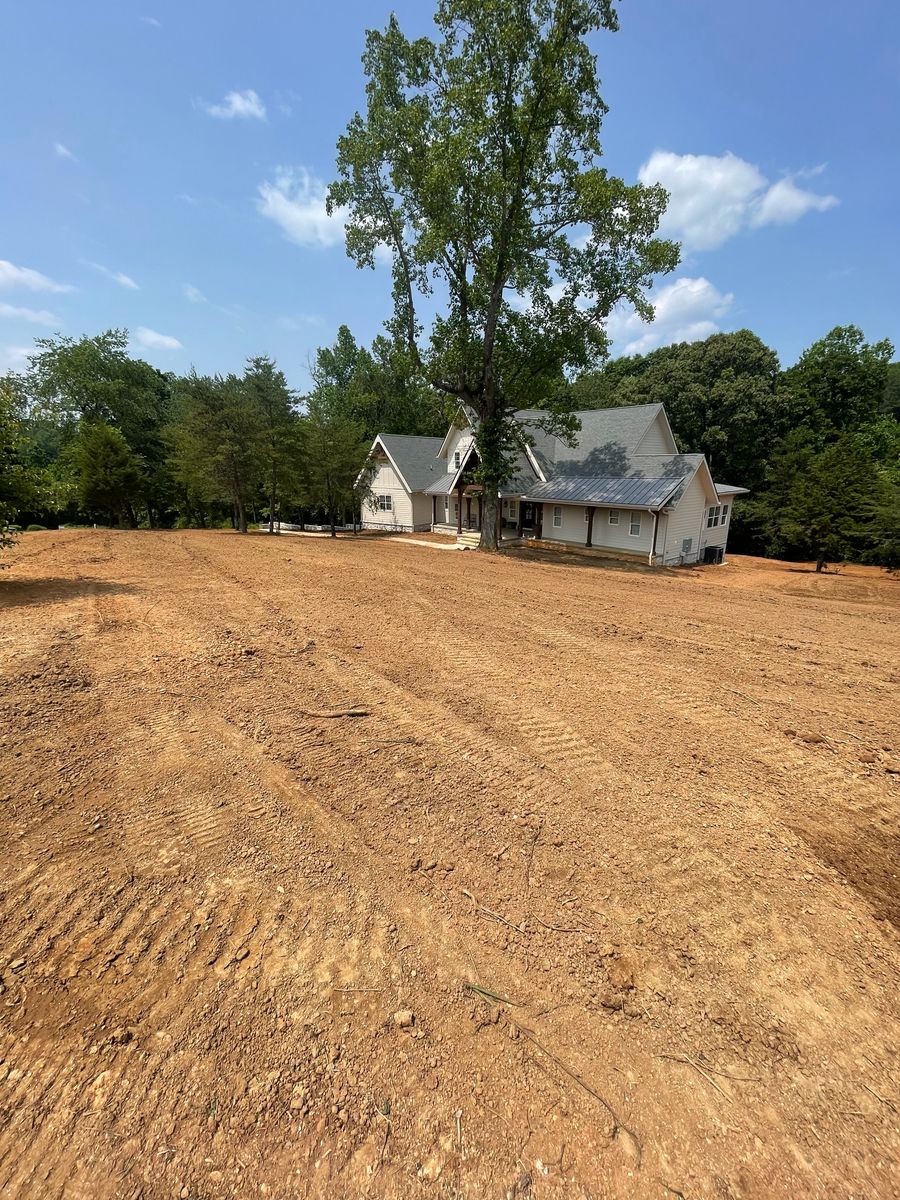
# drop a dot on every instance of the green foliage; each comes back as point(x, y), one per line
point(35, 528)
point(831, 505)
point(842, 378)
point(108, 473)
point(218, 443)
point(18, 484)
point(475, 164)
point(95, 380)
point(336, 439)
point(268, 396)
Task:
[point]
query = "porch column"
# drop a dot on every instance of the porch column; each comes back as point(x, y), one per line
point(539, 521)
point(433, 511)
point(468, 512)
point(480, 509)
point(458, 511)
point(590, 524)
point(520, 522)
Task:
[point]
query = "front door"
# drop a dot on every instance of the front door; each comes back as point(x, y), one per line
point(527, 515)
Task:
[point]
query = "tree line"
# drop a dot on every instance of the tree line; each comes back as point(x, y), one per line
point(818, 444)
point(87, 433)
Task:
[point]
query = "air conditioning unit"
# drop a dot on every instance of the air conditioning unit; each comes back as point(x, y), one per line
point(714, 554)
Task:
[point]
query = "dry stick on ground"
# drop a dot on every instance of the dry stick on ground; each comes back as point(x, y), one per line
point(883, 1099)
point(690, 1063)
point(537, 834)
point(327, 714)
point(490, 914)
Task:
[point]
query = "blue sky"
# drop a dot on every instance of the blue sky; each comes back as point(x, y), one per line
point(162, 167)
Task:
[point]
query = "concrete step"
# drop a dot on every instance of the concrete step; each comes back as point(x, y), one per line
point(471, 537)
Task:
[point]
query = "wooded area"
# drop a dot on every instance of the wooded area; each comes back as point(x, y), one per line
point(89, 433)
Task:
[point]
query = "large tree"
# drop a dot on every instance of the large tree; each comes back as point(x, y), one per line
point(95, 379)
point(108, 473)
point(476, 165)
point(843, 377)
point(18, 482)
point(267, 390)
point(217, 443)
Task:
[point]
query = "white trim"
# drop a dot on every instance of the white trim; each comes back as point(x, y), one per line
point(379, 442)
point(529, 454)
point(460, 408)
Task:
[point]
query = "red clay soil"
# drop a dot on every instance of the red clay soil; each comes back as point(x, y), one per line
point(596, 895)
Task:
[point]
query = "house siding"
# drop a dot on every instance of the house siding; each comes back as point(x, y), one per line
point(461, 440)
point(603, 535)
point(406, 514)
point(657, 439)
point(682, 523)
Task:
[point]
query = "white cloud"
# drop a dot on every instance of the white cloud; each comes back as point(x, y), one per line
point(193, 294)
point(246, 105)
point(151, 21)
point(686, 310)
point(152, 340)
point(118, 277)
point(64, 151)
point(37, 316)
point(712, 198)
point(12, 276)
point(14, 358)
point(296, 202)
point(784, 202)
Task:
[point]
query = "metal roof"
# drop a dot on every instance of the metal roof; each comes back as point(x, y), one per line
point(441, 486)
point(414, 457)
point(610, 493)
point(729, 489)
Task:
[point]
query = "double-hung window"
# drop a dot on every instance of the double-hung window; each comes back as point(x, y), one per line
point(634, 527)
point(587, 513)
point(513, 509)
point(385, 503)
point(613, 516)
point(557, 516)
point(456, 460)
point(717, 515)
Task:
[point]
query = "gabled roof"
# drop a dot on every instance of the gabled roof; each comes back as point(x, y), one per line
point(728, 489)
point(632, 492)
point(413, 458)
point(607, 436)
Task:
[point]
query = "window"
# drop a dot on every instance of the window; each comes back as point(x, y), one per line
point(456, 460)
point(513, 509)
point(385, 503)
point(613, 516)
point(587, 514)
point(724, 513)
point(446, 507)
point(635, 527)
point(557, 516)
point(717, 515)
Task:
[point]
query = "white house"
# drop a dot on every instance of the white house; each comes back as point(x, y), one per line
point(623, 490)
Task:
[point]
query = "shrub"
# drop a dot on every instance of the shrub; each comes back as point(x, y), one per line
point(35, 528)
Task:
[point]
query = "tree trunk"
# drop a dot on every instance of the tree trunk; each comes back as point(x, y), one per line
point(129, 512)
point(490, 539)
point(241, 515)
point(273, 491)
point(820, 563)
point(331, 522)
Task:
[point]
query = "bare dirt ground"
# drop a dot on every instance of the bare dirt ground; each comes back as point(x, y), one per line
point(657, 814)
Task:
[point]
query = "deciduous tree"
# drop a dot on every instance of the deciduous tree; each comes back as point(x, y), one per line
point(476, 165)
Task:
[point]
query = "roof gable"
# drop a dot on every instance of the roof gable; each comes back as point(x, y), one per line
point(415, 459)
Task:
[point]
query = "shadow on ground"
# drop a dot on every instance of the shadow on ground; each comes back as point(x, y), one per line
point(16, 593)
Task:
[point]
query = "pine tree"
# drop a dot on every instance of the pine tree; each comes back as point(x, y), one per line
point(108, 473)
